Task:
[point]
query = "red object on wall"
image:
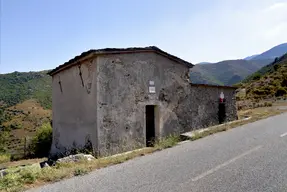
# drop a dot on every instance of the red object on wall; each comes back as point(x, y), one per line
point(221, 97)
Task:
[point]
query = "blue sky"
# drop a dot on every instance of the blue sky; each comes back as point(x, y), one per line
point(42, 34)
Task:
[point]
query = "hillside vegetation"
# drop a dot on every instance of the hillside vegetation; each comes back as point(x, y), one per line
point(20, 122)
point(25, 105)
point(226, 72)
point(234, 71)
point(268, 82)
point(17, 87)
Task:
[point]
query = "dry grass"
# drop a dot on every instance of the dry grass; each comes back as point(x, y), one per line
point(262, 112)
point(27, 117)
point(32, 113)
point(167, 142)
point(32, 177)
point(21, 162)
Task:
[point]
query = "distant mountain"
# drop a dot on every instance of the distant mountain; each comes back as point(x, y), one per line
point(268, 82)
point(204, 63)
point(250, 57)
point(272, 53)
point(230, 72)
point(225, 72)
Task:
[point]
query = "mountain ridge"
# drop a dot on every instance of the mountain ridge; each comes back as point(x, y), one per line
point(251, 57)
point(228, 72)
point(272, 53)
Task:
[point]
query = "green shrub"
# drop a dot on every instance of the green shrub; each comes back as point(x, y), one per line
point(3, 140)
point(276, 67)
point(29, 174)
point(268, 104)
point(259, 92)
point(41, 142)
point(17, 156)
point(284, 82)
point(256, 76)
point(280, 92)
point(17, 177)
point(15, 126)
point(5, 158)
point(11, 182)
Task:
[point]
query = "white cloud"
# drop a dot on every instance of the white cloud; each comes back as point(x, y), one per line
point(278, 5)
point(234, 30)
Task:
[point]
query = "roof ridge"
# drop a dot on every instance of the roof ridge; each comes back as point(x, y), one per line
point(119, 50)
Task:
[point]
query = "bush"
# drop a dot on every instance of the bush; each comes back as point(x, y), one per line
point(17, 156)
point(280, 92)
point(11, 182)
point(15, 126)
point(267, 104)
point(256, 76)
point(276, 67)
point(284, 82)
point(5, 158)
point(259, 92)
point(3, 140)
point(18, 177)
point(41, 142)
point(29, 174)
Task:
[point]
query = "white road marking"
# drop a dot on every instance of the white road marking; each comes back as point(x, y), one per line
point(283, 135)
point(225, 164)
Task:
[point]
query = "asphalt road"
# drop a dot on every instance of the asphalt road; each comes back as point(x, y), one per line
point(252, 157)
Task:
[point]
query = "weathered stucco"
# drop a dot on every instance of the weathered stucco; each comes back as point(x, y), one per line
point(123, 93)
point(74, 105)
point(107, 105)
point(205, 101)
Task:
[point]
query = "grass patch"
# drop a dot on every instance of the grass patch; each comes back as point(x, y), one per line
point(81, 171)
point(199, 135)
point(11, 183)
point(51, 174)
point(21, 162)
point(167, 142)
point(20, 179)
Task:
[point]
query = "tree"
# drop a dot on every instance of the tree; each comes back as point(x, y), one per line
point(41, 143)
